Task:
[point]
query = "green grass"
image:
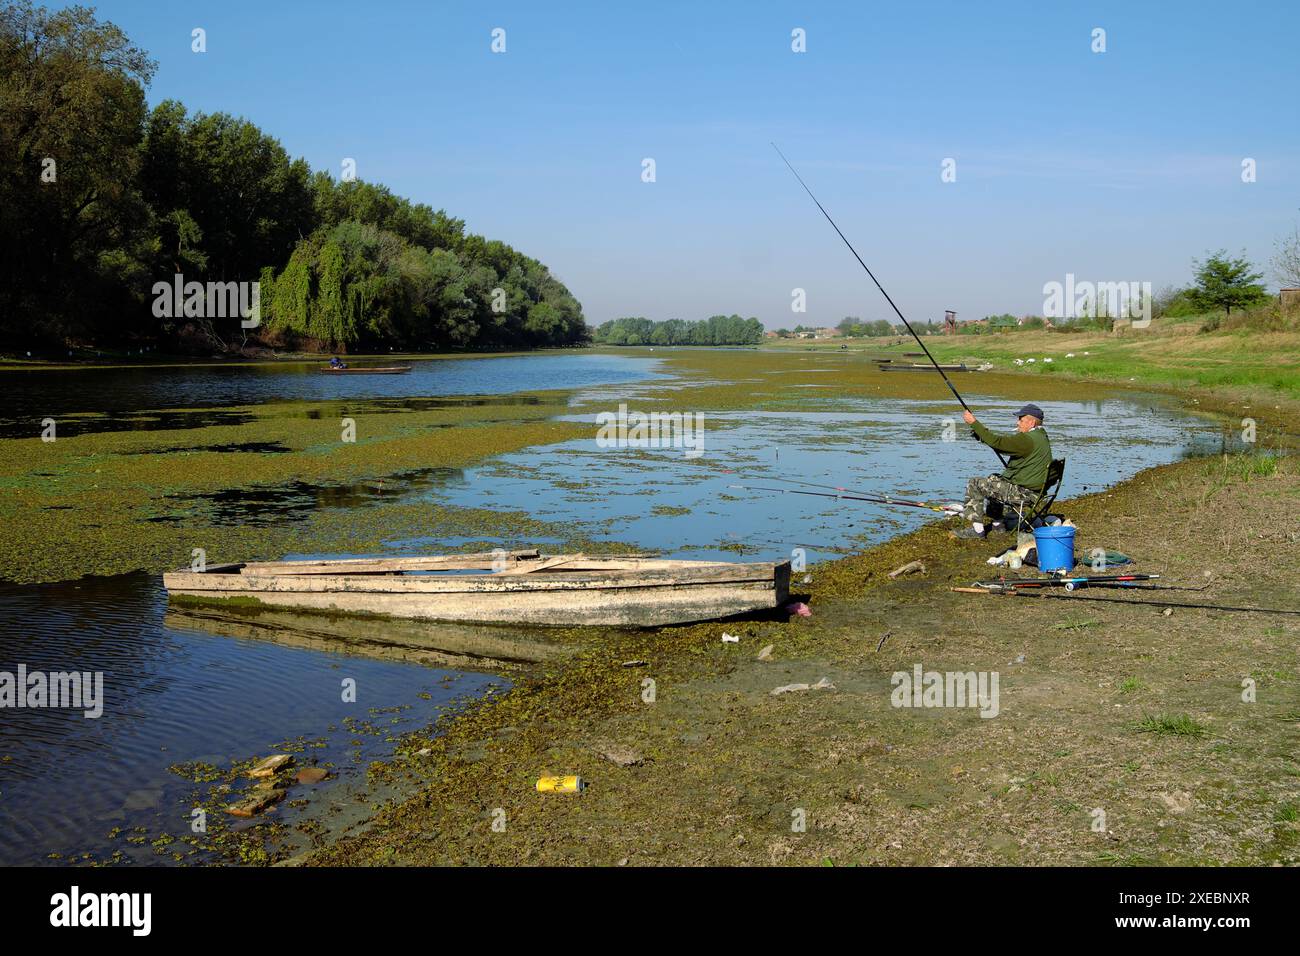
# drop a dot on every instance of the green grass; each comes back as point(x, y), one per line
point(1074, 625)
point(1130, 684)
point(1245, 354)
point(1175, 725)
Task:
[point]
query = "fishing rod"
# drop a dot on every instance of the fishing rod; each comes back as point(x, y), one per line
point(1154, 587)
point(813, 484)
point(947, 381)
point(875, 499)
point(1068, 583)
point(1114, 600)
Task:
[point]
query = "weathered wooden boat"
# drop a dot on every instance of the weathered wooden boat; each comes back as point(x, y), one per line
point(520, 587)
point(923, 367)
point(376, 370)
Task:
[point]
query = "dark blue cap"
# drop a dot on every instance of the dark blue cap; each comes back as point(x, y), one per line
point(1030, 410)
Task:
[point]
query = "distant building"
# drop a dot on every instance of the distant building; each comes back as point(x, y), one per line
point(826, 333)
point(769, 334)
point(1290, 299)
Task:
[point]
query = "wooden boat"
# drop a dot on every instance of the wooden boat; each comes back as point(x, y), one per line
point(520, 587)
point(927, 367)
point(376, 370)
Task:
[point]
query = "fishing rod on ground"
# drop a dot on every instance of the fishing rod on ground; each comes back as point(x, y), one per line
point(947, 381)
point(875, 499)
point(1078, 599)
point(1125, 581)
point(1069, 583)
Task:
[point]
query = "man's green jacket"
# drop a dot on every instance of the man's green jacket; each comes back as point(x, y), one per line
point(1030, 453)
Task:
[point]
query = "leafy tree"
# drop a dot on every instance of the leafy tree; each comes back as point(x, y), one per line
point(1223, 282)
point(142, 195)
point(71, 116)
point(715, 330)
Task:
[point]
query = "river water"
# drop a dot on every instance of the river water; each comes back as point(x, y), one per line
point(175, 695)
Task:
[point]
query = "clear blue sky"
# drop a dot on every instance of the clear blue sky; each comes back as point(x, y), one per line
point(1114, 166)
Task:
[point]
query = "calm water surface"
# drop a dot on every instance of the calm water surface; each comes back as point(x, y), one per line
point(114, 399)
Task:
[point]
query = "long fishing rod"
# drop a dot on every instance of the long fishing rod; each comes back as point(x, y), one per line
point(947, 381)
point(875, 499)
point(1083, 581)
point(1153, 587)
point(1116, 600)
point(813, 484)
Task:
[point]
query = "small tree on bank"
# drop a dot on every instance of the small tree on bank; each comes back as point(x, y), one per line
point(1223, 282)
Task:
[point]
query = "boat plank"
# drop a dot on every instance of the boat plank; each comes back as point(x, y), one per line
point(483, 560)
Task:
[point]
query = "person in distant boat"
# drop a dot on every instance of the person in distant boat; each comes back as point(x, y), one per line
point(1029, 455)
point(335, 363)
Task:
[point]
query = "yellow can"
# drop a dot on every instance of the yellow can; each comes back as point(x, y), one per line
point(569, 784)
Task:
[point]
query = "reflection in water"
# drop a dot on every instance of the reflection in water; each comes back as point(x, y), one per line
point(298, 500)
point(172, 696)
point(96, 400)
point(487, 647)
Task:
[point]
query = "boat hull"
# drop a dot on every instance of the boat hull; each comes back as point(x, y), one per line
point(623, 593)
point(395, 370)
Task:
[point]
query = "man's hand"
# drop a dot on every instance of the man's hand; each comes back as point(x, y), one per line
point(968, 418)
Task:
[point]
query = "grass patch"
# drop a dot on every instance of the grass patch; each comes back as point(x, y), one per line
point(1130, 685)
point(1175, 725)
point(1075, 625)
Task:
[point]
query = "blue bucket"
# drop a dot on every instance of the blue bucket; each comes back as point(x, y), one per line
point(1055, 545)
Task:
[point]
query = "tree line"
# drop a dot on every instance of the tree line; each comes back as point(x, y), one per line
point(715, 330)
point(102, 198)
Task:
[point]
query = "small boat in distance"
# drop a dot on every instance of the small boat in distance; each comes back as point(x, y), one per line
point(375, 370)
point(924, 368)
point(518, 587)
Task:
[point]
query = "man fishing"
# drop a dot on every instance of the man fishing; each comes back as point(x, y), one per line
point(1029, 456)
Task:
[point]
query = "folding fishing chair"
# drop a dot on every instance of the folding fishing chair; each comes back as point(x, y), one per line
point(1031, 508)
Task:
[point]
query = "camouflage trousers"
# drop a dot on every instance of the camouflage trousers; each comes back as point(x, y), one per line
point(985, 498)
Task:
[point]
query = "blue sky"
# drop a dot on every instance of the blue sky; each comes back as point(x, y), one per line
point(1114, 166)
